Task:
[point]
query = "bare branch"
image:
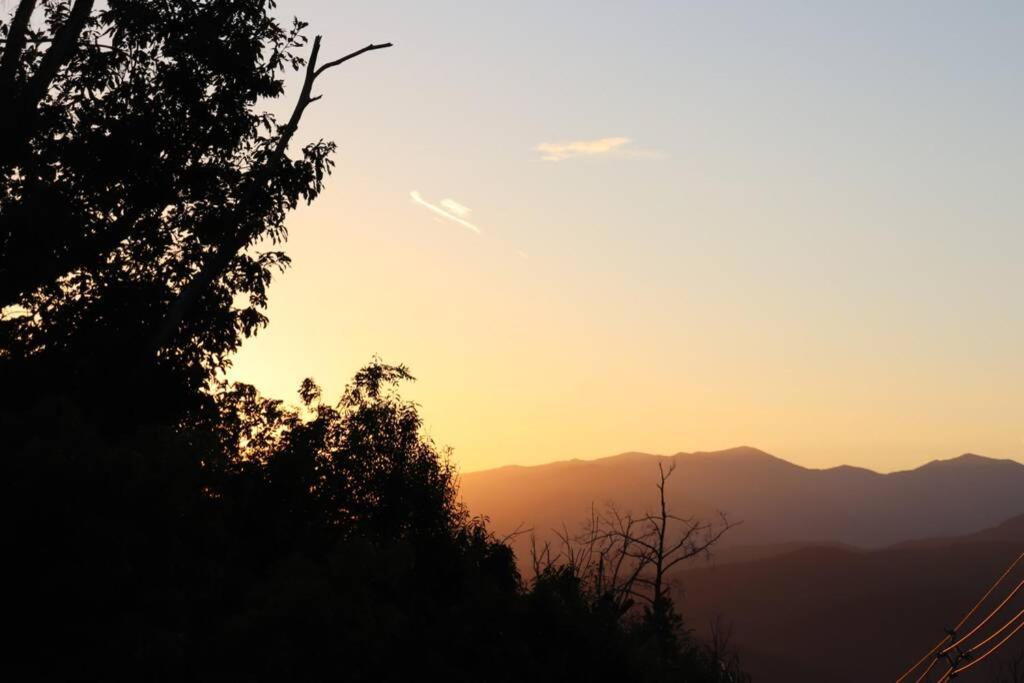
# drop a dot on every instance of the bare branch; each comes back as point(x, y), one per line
point(514, 534)
point(352, 55)
point(703, 547)
point(624, 558)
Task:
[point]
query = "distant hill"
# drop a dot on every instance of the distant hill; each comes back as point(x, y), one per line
point(830, 615)
point(1012, 530)
point(779, 502)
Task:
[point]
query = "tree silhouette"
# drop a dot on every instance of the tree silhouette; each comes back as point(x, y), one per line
point(164, 524)
point(138, 175)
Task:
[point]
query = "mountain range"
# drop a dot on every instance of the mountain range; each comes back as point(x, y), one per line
point(777, 502)
point(834, 575)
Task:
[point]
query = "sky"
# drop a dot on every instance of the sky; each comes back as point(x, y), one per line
point(596, 227)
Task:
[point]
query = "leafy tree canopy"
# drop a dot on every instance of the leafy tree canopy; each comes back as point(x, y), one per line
point(138, 171)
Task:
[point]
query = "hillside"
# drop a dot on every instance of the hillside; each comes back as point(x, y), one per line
point(834, 614)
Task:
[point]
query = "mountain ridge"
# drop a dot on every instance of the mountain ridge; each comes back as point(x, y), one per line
point(964, 458)
point(778, 501)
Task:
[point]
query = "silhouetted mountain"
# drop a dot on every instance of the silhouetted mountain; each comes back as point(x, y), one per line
point(779, 502)
point(829, 614)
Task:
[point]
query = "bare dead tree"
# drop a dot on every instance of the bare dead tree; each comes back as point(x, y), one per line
point(623, 564)
point(626, 559)
point(666, 540)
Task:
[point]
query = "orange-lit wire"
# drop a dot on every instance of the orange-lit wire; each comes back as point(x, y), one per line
point(995, 647)
point(953, 670)
point(922, 661)
point(927, 671)
point(962, 621)
point(986, 619)
point(1002, 628)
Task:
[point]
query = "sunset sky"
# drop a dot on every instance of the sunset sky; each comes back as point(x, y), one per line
point(592, 227)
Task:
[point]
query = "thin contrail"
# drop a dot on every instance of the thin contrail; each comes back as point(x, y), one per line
point(418, 198)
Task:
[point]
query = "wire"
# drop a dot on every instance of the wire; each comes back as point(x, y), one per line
point(953, 670)
point(927, 671)
point(1001, 629)
point(922, 661)
point(962, 621)
point(986, 619)
point(998, 645)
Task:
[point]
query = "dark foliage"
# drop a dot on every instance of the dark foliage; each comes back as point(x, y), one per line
point(323, 542)
point(130, 159)
point(161, 525)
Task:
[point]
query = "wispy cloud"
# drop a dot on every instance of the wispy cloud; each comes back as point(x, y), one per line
point(453, 207)
point(560, 151)
point(449, 208)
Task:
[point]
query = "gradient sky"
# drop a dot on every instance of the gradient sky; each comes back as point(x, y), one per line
point(592, 227)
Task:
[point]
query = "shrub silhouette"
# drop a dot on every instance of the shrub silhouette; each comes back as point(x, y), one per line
point(318, 542)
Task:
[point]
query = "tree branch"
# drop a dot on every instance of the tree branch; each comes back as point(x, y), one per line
point(347, 57)
point(16, 39)
point(20, 109)
point(218, 262)
point(63, 45)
